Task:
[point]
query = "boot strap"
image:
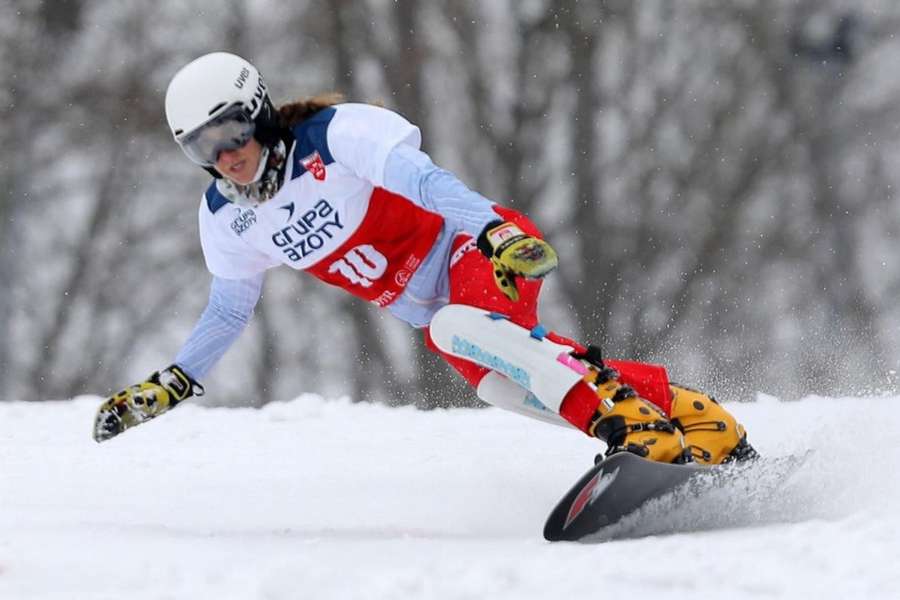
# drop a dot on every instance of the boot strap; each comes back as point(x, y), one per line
point(639, 449)
point(599, 376)
point(704, 426)
point(592, 355)
point(643, 451)
point(664, 426)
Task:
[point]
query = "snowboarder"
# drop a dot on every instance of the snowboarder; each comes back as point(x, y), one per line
point(343, 192)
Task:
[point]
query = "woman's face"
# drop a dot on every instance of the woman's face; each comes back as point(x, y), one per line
point(240, 165)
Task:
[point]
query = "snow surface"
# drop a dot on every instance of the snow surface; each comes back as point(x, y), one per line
point(329, 499)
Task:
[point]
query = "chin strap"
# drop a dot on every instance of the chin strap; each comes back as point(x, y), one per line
point(263, 164)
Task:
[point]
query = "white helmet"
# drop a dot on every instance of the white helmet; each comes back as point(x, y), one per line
point(218, 102)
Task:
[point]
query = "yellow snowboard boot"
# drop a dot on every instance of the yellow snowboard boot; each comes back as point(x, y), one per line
point(628, 423)
point(710, 432)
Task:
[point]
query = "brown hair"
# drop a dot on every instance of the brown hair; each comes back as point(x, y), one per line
point(292, 113)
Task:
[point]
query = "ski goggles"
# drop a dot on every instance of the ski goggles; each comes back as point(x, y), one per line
point(229, 131)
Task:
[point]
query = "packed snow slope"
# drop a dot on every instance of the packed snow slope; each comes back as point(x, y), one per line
point(329, 499)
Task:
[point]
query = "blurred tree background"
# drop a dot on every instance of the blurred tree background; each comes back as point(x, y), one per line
point(718, 178)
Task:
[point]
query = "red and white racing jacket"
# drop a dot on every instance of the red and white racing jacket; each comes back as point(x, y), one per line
point(332, 217)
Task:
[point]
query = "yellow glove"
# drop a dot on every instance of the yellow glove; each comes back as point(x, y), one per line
point(513, 252)
point(136, 404)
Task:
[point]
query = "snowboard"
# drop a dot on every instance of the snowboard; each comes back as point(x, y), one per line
point(621, 495)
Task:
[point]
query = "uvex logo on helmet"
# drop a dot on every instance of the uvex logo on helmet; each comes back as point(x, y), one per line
point(258, 96)
point(242, 78)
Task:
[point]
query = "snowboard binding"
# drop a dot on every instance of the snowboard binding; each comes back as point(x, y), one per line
point(627, 422)
point(696, 428)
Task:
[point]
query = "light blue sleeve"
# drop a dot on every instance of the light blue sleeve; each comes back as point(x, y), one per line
point(231, 304)
point(411, 173)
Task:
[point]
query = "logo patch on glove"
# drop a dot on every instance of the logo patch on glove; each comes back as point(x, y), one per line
point(498, 235)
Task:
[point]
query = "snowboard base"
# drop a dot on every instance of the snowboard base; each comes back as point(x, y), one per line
point(628, 496)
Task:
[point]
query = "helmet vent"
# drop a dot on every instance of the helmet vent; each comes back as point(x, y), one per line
point(216, 107)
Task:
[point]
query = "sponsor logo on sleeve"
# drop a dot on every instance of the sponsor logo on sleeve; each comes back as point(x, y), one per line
point(466, 246)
